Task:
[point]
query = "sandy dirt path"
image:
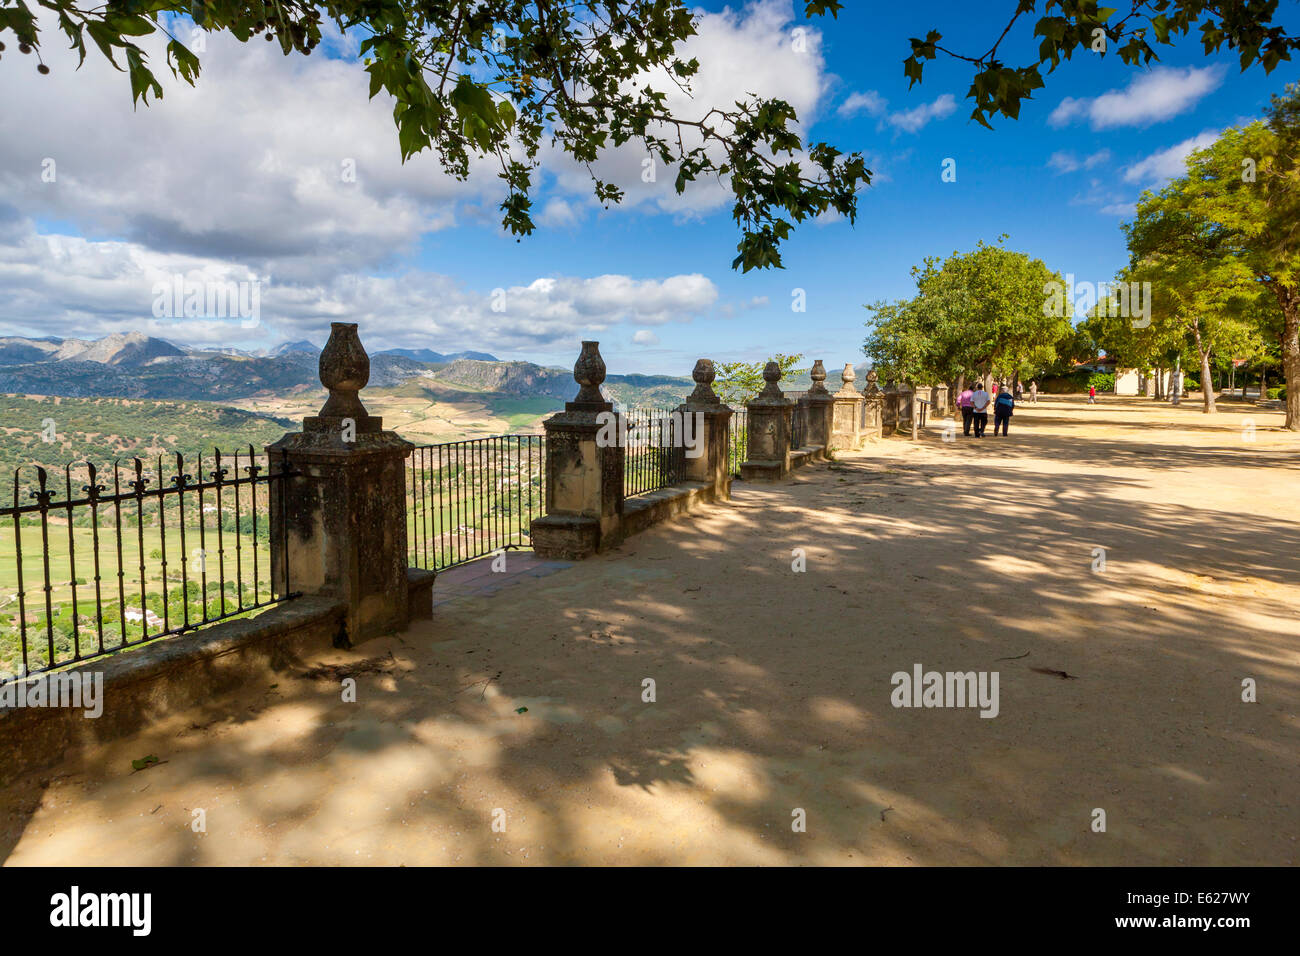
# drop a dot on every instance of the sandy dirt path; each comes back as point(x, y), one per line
point(773, 688)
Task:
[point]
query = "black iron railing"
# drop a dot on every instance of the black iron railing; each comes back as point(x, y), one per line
point(654, 453)
point(152, 551)
point(738, 440)
point(798, 425)
point(468, 499)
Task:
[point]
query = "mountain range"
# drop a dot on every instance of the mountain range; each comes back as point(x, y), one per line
point(134, 365)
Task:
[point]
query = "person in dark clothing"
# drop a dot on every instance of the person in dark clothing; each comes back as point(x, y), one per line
point(1002, 410)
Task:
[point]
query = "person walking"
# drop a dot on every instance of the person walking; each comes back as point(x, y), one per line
point(1092, 394)
point(1002, 411)
point(980, 410)
point(964, 403)
point(1033, 391)
point(1020, 390)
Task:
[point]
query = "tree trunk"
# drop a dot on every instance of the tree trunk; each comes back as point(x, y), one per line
point(1288, 297)
point(1207, 388)
point(1160, 384)
point(1175, 386)
point(1263, 383)
point(1207, 382)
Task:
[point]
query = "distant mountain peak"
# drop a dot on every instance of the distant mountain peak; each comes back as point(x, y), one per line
point(438, 358)
point(300, 345)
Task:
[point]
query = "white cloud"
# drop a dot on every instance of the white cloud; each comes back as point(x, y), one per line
point(1066, 162)
point(870, 102)
point(250, 164)
point(72, 287)
point(1152, 97)
point(557, 213)
point(1124, 209)
point(1168, 163)
point(645, 337)
point(914, 120)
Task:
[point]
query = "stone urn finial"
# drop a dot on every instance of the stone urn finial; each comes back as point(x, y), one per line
point(771, 391)
point(703, 374)
point(846, 380)
point(344, 370)
point(589, 373)
point(818, 375)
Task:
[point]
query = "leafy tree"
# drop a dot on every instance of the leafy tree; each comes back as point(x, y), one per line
point(737, 382)
point(980, 312)
point(1235, 220)
point(1070, 26)
point(1203, 308)
point(496, 78)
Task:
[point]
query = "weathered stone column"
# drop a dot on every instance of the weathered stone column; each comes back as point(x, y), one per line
point(906, 407)
point(709, 421)
point(344, 511)
point(818, 407)
point(846, 426)
point(769, 418)
point(584, 470)
point(889, 410)
point(939, 401)
point(873, 414)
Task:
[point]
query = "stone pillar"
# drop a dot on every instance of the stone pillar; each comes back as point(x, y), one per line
point(873, 414)
point(939, 401)
point(846, 424)
point(769, 419)
point(709, 423)
point(906, 407)
point(344, 507)
point(889, 409)
point(818, 407)
point(584, 470)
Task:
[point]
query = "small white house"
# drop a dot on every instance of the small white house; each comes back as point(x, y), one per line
point(1127, 381)
point(134, 615)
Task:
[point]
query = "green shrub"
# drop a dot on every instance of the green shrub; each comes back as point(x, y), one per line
point(1102, 381)
point(1278, 391)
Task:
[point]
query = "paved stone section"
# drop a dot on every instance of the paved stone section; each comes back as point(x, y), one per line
point(773, 688)
point(480, 578)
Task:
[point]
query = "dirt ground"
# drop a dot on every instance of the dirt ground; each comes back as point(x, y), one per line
point(521, 704)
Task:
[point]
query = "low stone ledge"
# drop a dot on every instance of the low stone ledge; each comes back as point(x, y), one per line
point(806, 455)
point(762, 470)
point(419, 592)
point(155, 680)
point(649, 509)
point(565, 537)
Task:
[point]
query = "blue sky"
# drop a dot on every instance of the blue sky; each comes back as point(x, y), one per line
point(414, 261)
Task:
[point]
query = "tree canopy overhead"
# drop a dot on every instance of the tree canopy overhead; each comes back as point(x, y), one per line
point(1069, 26)
point(1231, 228)
point(498, 78)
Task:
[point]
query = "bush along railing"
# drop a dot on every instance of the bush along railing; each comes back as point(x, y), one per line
point(654, 453)
point(467, 499)
point(146, 553)
point(737, 440)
